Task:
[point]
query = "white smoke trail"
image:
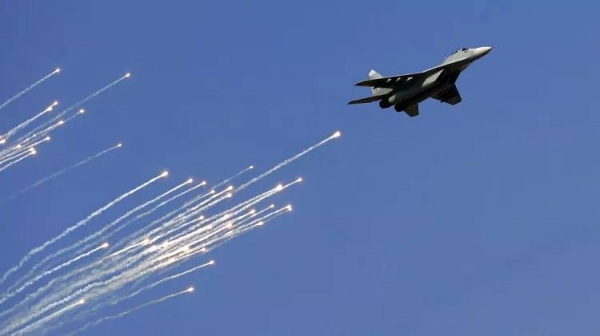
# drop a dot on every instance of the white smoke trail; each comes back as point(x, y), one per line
point(12, 152)
point(224, 182)
point(214, 220)
point(180, 217)
point(163, 203)
point(257, 214)
point(25, 138)
point(164, 220)
point(78, 225)
point(150, 286)
point(183, 219)
point(28, 141)
point(12, 292)
point(288, 161)
point(118, 220)
point(181, 194)
point(98, 233)
point(239, 229)
point(123, 276)
point(126, 277)
point(117, 230)
point(100, 288)
point(220, 184)
point(169, 278)
point(136, 262)
point(57, 70)
point(16, 155)
point(61, 286)
point(263, 220)
point(194, 200)
point(24, 124)
point(58, 173)
point(55, 299)
point(55, 314)
point(24, 149)
point(180, 240)
point(63, 281)
point(74, 106)
point(79, 292)
point(137, 273)
point(112, 317)
point(217, 218)
point(12, 163)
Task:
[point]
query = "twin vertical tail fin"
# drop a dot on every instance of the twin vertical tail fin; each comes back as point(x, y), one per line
point(374, 90)
point(374, 74)
point(377, 93)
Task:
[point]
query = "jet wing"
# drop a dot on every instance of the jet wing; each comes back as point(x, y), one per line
point(386, 82)
point(450, 96)
point(390, 82)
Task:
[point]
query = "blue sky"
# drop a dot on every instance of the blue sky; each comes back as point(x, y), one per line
point(468, 220)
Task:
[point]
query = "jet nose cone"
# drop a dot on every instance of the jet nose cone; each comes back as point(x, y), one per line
point(482, 51)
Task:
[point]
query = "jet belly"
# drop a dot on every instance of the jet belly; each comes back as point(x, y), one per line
point(418, 93)
point(423, 95)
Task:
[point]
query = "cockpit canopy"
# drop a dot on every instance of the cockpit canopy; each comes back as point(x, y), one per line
point(459, 50)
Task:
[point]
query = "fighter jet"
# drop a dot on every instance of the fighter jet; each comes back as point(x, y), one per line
point(405, 92)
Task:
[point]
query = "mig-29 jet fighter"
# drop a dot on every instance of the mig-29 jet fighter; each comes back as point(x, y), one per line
point(405, 92)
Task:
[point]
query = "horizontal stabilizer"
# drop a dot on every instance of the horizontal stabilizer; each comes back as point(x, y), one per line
point(367, 99)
